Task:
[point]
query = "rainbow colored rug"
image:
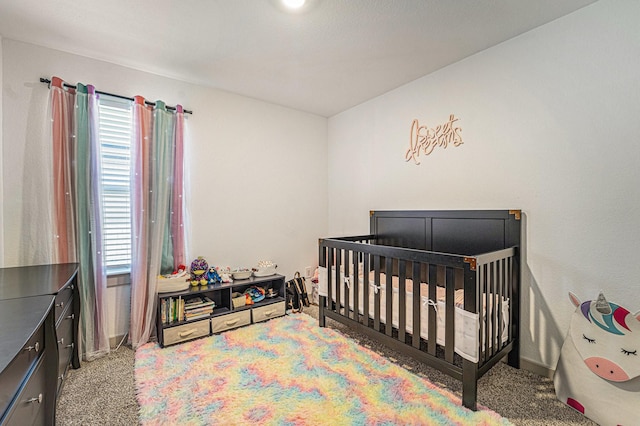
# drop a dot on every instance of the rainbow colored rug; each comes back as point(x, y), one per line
point(287, 371)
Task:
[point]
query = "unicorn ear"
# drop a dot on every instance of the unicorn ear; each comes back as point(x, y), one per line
point(574, 299)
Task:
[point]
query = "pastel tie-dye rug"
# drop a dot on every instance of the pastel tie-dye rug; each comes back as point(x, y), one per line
point(288, 371)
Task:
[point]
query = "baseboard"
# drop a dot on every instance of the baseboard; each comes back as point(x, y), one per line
point(115, 341)
point(536, 368)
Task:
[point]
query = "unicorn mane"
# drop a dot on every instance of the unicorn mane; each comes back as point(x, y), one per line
point(613, 322)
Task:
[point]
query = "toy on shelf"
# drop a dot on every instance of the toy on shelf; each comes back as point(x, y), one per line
point(198, 270)
point(254, 294)
point(264, 268)
point(225, 274)
point(176, 281)
point(212, 276)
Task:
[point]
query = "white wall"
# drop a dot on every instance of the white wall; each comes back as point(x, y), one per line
point(1, 161)
point(257, 171)
point(550, 126)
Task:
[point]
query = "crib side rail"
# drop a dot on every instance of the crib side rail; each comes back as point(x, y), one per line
point(490, 283)
point(392, 268)
point(497, 275)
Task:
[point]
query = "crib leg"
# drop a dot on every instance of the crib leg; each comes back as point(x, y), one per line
point(513, 359)
point(321, 317)
point(469, 384)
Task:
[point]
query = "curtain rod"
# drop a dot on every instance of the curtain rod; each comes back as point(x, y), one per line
point(48, 82)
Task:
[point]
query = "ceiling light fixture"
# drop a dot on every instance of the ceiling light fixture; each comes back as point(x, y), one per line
point(293, 4)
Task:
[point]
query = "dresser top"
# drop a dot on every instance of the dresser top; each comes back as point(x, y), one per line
point(20, 318)
point(27, 281)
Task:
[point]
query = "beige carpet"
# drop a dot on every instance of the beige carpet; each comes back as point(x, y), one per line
point(102, 392)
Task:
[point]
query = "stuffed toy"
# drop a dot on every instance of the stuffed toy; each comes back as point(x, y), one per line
point(598, 373)
point(212, 276)
point(198, 271)
point(225, 274)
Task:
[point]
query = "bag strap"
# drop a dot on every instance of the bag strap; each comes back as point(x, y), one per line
point(296, 285)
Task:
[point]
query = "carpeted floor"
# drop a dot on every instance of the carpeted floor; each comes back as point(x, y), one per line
point(102, 392)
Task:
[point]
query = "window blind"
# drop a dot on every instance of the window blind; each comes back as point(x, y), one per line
point(115, 132)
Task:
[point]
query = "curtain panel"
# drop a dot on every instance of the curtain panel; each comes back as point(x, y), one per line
point(78, 233)
point(157, 208)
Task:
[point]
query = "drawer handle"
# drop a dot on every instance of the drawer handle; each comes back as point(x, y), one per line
point(269, 313)
point(232, 322)
point(72, 316)
point(69, 346)
point(61, 341)
point(37, 399)
point(61, 377)
point(35, 347)
point(187, 333)
point(59, 305)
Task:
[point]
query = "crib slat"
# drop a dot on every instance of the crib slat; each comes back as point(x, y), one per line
point(479, 301)
point(365, 288)
point(355, 285)
point(330, 262)
point(494, 308)
point(485, 313)
point(402, 302)
point(389, 293)
point(510, 274)
point(345, 285)
point(432, 315)
point(416, 305)
point(338, 280)
point(500, 302)
point(376, 293)
point(449, 331)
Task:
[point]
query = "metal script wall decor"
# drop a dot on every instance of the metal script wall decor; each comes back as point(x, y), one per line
point(424, 140)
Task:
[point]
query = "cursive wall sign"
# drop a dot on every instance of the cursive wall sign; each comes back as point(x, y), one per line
point(424, 140)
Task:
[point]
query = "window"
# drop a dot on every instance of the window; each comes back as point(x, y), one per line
point(115, 133)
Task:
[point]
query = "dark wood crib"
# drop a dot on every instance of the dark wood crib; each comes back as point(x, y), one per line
point(472, 257)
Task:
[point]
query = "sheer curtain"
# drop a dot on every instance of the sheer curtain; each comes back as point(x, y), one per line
point(78, 229)
point(157, 228)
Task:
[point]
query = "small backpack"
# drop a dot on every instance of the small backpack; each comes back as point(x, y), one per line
point(297, 296)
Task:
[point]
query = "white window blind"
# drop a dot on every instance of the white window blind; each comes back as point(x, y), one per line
point(115, 132)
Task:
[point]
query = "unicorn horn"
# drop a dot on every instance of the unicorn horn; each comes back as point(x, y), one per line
point(602, 305)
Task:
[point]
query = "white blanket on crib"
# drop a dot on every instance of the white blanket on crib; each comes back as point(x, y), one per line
point(467, 325)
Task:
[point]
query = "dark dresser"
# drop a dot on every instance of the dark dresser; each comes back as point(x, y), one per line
point(39, 314)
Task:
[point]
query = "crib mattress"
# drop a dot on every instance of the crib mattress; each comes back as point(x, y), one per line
point(467, 325)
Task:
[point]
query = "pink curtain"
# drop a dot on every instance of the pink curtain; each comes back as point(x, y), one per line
point(62, 104)
point(77, 206)
point(157, 208)
point(177, 198)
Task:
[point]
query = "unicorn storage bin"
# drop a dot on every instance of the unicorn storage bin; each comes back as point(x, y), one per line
point(598, 373)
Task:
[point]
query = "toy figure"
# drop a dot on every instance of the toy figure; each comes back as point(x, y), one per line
point(212, 276)
point(198, 271)
point(225, 274)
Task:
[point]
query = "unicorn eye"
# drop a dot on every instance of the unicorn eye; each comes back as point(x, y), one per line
point(588, 340)
point(626, 352)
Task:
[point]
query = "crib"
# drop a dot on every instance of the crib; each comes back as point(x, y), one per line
point(442, 287)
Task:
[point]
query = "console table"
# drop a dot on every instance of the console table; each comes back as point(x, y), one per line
point(39, 313)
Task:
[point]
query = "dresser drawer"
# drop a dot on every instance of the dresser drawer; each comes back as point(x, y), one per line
point(64, 336)
point(15, 373)
point(29, 406)
point(229, 321)
point(264, 313)
point(185, 332)
point(63, 300)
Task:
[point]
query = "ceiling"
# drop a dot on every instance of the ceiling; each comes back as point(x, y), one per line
point(325, 59)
